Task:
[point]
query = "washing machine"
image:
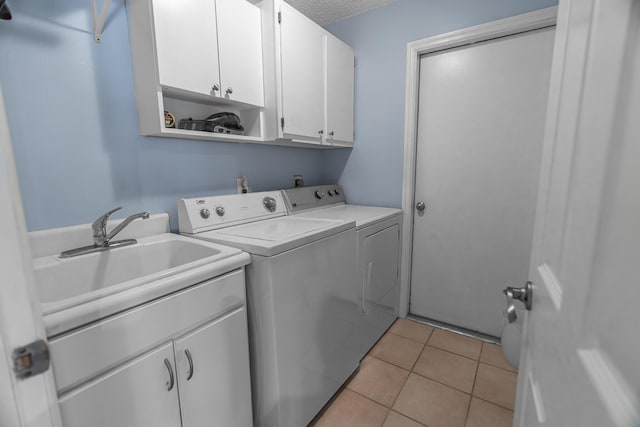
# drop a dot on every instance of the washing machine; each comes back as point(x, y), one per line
point(378, 243)
point(302, 307)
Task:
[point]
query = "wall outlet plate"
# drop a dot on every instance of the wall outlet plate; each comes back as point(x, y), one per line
point(242, 182)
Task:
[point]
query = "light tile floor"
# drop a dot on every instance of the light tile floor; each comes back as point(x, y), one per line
point(420, 376)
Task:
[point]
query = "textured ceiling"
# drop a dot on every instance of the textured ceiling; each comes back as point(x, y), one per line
point(327, 11)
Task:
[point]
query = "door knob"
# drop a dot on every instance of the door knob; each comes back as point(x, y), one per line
point(420, 206)
point(525, 294)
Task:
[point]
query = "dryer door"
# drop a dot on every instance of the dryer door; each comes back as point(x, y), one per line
point(379, 267)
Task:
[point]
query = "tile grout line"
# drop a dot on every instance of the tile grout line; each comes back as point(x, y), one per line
point(494, 404)
point(444, 384)
point(488, 401)
point(454, 353)
point(475, 377)
point(405, 382)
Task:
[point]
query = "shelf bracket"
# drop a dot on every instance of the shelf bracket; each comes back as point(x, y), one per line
point(99, 20)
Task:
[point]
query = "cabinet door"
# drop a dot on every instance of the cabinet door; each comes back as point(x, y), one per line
point(213, 373)
point(133, 395)
point(302, 74)
point(240, 51)
point(187, 44)
point(340, 79)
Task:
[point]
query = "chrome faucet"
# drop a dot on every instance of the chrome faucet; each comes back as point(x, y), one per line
point(103, 241)
point(100, 236)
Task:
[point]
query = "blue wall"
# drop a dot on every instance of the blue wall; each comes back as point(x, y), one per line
point(74, 127)
point(371, 173)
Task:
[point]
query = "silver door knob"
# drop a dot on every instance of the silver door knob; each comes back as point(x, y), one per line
point(215, 88)
point(320, 132)
point(420, 206)
point(525, 295)
point(229, 90)
point(331, 133)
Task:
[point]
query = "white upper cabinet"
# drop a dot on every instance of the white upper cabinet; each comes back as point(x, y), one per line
point(187, 44)
point(240, 51)
point(340, 67)
point(315, 79)
point(302, 75)
point(195, 58)
point(287, 79)
point(211, 47)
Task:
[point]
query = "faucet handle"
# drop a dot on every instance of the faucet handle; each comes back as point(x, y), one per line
point(100, 225)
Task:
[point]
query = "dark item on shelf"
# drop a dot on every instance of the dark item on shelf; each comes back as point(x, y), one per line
point(226, 123)
point(5, 13)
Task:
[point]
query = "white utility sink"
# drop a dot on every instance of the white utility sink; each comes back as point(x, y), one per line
point(75, 291)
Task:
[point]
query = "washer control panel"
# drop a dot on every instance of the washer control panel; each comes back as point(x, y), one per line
point(196, 215)
point(302, 198)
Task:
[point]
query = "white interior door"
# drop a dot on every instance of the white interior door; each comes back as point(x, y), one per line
point(32, 402)
point(579, 364)
point(480, 130)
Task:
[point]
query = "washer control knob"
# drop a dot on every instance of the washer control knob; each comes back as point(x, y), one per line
point(336, 191)
point(331, 193)
point(269, 204)
point(204, 213)
point(319, 194)
point(220, 211)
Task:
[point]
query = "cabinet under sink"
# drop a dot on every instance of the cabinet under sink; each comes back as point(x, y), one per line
point(180, 361)
point(151, 334)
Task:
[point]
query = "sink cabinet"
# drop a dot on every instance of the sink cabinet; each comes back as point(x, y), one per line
point(212, 366)
point(182, 360)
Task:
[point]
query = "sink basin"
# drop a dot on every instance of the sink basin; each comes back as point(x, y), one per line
point(152, 263)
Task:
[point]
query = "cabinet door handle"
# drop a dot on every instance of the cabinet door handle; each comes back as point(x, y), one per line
point(190, 360)
point(320, 132)
point(215, 87)
point(171, 381)
point(229, 90)
point(331, 133)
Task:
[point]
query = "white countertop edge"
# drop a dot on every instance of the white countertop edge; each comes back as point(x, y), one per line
point(73, 317)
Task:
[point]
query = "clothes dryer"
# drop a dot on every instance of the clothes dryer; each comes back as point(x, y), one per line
point(378, 237)
point(302, 307)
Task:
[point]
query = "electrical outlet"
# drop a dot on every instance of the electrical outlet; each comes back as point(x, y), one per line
point(242, 183)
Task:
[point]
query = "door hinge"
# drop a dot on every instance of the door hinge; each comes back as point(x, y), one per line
point(30, 360)
point(279, 17)
point(282, 122)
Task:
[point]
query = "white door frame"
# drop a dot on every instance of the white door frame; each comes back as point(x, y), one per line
point(504, 27)
point(31, 402)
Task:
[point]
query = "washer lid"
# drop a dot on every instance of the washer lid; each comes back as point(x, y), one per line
point(274, 236)
point(364, 216)
point(284, 228)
